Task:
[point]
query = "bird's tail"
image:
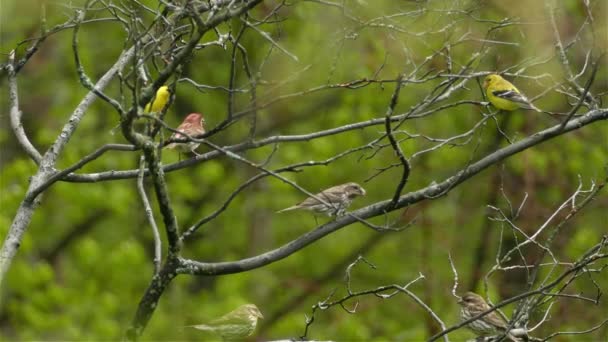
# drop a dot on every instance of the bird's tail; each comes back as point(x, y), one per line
point(518, 335)
point(288, 209)
point(531, 106)
point(171, 146)
point(514, 339)
point(201, 327)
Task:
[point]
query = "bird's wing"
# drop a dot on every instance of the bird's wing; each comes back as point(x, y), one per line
point(330, 196)
point(150, 105)
point(185, 128)
point(307, 203)
point(515, 96)
point(495, 319)
point(310, 201)
point(224, 320)
point(511, 95)
point(334, 194)
point(237, 316)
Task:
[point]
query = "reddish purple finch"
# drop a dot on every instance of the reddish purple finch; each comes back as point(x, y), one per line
point(490, 324)
point(235, 325)
point(193, 125)
point(338, 198)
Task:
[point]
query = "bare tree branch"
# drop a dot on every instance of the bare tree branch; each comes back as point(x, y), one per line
point(150, 216)
point(588, 258)
point(15, 113)
point(26, 209)
point(432, 191)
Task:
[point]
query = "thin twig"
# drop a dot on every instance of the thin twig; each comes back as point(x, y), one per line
point(150, 216)
point(15, 113)
point(394, 144)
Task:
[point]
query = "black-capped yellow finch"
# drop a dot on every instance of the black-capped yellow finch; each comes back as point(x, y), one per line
point(235, 325)
point(159, 101)
point(156, 105)
point(338, 197)
point(504, 95)
point(192, 125)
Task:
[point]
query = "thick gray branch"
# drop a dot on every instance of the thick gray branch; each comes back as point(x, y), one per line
point(127, 174)
point(380, 208)
point(46, 170)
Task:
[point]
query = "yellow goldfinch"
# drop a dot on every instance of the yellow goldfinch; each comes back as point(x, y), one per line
point(159, 101)
point(503, 95)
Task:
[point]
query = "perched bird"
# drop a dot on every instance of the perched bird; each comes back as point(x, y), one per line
point(237, 324)
point(338, 197)
point(192, 125)
point(490, 324)
point(503, 95)
point(156, 105)
point(159, 101)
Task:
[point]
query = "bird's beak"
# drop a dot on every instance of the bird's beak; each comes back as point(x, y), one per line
point(261, 316)
point(363, 193)
point(460, 301)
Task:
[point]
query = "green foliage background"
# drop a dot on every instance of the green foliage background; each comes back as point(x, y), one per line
point(87, 286)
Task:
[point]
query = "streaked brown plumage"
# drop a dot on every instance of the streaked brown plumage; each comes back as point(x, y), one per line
point(490, 324)
point(193, 125)
point(338, 197)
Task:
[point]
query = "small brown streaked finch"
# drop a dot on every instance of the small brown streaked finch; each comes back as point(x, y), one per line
point(235, 325)
point(490, 324)
point(193, 125)
point(338, 197)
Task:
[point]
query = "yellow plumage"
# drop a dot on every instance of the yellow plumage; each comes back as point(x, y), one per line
point(159, 101)
point(504, 95)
